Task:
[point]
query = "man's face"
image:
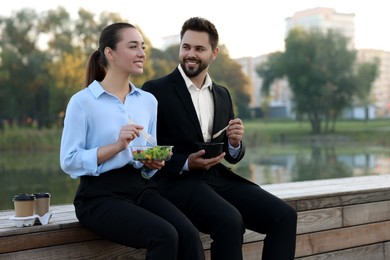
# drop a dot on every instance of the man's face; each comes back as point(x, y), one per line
point(195, 53)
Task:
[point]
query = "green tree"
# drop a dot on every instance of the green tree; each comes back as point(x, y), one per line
point(227, 72)
point(24, 82)
point(43, 59)
point(319, 68)
point(70, 43)
point(367, 72)
point(163, 62)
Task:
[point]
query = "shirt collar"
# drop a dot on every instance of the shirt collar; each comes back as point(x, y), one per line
point(208, 83)
point(97, 90)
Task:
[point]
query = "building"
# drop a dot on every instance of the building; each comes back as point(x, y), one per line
point(248, 65)
point(278, 103)
point(380, 92)
point(324, 19)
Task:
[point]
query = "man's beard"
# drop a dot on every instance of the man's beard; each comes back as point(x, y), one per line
point(195, 71)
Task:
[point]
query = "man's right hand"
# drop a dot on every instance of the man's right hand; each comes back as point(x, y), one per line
point(197, 162)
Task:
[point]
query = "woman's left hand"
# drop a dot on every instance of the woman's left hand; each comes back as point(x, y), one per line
point(153, 165)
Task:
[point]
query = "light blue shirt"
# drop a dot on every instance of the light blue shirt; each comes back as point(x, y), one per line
point(93, 119)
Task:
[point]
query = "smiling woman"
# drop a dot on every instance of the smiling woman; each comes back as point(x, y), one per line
point(102, 158)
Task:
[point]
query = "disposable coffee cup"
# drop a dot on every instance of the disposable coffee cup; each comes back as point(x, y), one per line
point(42, 203)
point(24, 205)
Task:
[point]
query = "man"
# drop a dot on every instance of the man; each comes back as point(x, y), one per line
point(191, 108)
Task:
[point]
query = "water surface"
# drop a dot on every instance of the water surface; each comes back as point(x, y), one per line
point(34, 172)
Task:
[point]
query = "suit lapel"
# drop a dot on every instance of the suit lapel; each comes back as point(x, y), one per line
point(186, 101)
point(217, 110)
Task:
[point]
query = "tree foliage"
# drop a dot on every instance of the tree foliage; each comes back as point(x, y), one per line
point(320, 71)
point(227, 72)
point(43, 59)
point(24, 81)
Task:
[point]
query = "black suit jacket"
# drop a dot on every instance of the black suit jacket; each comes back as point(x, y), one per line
point(178, 125)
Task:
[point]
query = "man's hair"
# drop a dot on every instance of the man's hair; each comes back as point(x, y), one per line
point(199, 24)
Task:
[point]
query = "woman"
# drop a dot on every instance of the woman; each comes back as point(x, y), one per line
point(117, 197)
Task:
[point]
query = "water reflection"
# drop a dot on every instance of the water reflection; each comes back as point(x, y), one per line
point(34, 172)
point(40, 172)
point(314, 163)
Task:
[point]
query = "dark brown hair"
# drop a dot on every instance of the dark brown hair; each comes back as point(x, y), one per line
point(199, 24)
point(97, 63)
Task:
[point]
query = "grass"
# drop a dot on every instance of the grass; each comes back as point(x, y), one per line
point(27, 139)
point(373, 133)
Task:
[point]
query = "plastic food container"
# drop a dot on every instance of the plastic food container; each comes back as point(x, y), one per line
point(157, 153)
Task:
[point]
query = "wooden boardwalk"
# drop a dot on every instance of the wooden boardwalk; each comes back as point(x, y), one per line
point(337, 219)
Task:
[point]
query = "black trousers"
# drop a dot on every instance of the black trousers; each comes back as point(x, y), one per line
point(122, 206)
point(224, 206)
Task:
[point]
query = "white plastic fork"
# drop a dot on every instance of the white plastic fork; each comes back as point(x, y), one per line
point(220, 132)
point(148, 137)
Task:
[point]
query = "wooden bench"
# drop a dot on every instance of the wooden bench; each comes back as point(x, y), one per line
point(337, 219)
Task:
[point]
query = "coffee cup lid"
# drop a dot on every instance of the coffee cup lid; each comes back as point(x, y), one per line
point(24, 196)
point(42, 195)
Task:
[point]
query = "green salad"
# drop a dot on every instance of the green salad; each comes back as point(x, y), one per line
point(161, 153)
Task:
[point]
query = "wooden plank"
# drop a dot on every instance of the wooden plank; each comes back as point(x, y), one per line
point(99, 249)
point(320, 219)
point(343, 238)
point(366, 197)
point(320, 205)
point(323, 188)
point(366, 213)
point(250, 251)
point(387, 250)
point(370, 252)
point(44, 239)
point(251, 236)
point(105, 249)
point(350, 199)
point(342, 200)
point(363, 241)
point(253, 251)
point(62, 216)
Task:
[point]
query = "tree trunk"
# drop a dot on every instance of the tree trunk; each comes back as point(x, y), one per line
point(315, 123)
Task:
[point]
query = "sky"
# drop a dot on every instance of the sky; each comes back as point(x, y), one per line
point(246, 27)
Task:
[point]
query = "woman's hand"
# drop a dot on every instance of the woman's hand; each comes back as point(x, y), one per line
point(127, 134)
point(153, 165)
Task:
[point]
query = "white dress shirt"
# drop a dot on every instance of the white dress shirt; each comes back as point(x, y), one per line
point(204, 105)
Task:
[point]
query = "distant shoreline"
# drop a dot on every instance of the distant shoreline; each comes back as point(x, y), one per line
point(257, 132)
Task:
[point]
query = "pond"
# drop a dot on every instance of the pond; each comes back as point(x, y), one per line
point(34, 172)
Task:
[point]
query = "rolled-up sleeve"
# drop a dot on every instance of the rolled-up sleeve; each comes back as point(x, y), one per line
point(75, 160)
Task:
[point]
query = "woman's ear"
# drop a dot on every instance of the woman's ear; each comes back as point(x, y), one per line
point(108, 52)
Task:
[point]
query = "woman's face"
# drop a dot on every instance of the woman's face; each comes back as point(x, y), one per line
point(129, 55)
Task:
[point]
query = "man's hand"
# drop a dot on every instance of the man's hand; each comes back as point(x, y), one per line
point(235, 132)
point(197, 162)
